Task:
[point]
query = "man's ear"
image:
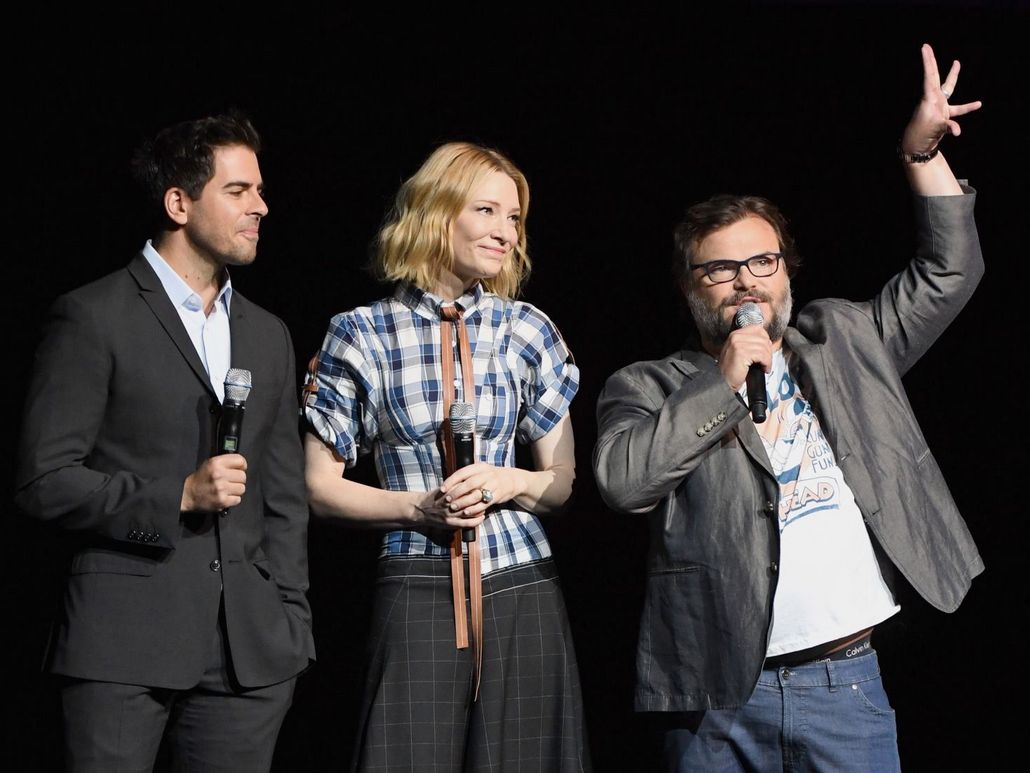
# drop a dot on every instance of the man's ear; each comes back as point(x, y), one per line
point(176, 203)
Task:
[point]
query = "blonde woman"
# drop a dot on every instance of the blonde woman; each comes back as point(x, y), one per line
point(509, 699)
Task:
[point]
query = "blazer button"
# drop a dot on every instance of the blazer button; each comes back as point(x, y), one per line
point(774, 568)
point(770, 508)
point(215, 565)
point(213, 409)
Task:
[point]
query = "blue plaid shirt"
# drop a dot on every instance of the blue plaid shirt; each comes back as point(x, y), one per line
point(379, 390)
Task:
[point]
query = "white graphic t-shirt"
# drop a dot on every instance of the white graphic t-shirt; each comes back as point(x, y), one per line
point(829, 581)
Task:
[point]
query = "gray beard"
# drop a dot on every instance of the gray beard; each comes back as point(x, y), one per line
point(715, 328)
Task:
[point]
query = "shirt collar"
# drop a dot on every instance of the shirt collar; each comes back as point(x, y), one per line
point(426, 304)
point(180, 293)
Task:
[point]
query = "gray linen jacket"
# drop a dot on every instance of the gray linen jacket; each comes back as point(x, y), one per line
point(675, 441)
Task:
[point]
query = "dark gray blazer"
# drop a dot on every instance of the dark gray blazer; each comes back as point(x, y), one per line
point(120, 411)
point(675, 441)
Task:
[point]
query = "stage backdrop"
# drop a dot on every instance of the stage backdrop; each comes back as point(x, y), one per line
point(619, 122)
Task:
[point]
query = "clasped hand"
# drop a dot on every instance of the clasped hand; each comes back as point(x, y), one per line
point(461, 501)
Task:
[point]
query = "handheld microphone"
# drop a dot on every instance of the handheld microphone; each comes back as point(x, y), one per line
point(230, 425)
point(463, 433)
point(750, 314)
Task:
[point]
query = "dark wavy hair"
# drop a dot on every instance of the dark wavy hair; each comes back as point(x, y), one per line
point(709, 216)
point(183, 156)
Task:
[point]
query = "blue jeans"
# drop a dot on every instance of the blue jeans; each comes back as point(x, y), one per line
point(825, 716)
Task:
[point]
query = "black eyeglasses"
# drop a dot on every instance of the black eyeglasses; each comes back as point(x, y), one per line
point(719, 271)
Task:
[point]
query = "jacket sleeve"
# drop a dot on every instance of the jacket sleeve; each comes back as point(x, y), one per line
point(654, 429)
point(69, 399)
point(285, 499)
point(917, 304)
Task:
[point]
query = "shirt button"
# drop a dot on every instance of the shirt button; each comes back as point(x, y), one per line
point(215, 565)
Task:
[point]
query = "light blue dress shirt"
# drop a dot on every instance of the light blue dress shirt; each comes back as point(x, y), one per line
point(208, 332)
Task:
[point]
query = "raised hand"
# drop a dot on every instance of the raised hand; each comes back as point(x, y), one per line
point(934, 116)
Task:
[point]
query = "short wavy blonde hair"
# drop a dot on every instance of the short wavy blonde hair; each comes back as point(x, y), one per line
point(414, 243)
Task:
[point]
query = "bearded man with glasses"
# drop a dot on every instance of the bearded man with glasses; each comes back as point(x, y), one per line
point(774, 542)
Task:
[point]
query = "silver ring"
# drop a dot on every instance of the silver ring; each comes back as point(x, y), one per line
point(488, 495)
point(946, 93)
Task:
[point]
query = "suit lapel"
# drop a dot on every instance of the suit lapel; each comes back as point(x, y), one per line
point(246, 351)
point(745, 431)
point(809, 369)
point(752, 443)
point(153, 294)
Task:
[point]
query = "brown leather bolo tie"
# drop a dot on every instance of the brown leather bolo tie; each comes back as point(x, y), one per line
point(452, 318)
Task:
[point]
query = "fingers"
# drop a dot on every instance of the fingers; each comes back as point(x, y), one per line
point(465, 490)
point(439, 516)
point(461, 476)
point(948, 87)
point(229, 461)
point(743, 348)
point(471, 504)
point(467, 479)
point(931, 76)
point(968, 107)
point(469, 496)
point(218, 484)
point(463, 520)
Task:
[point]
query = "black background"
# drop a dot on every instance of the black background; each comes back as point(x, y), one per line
point(619, 120)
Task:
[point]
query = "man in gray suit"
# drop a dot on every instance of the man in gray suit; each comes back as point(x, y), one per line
point(773, 543)
point(184, 613)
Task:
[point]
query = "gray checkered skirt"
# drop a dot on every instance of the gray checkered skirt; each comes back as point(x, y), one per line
point(418, 713)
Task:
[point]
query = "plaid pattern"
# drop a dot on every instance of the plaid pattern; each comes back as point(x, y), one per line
point(378, 389)
point(417, 714)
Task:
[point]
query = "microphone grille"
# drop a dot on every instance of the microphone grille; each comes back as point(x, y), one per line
point(237, 385)
point(748, 314)
point(463, 418)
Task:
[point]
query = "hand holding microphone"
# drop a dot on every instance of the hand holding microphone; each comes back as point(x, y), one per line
point(220, 482)
point(746, 356)
point(749, 314)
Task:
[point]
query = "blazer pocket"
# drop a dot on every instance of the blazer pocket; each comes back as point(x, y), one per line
point(111, 563)
point(687, 569)
point(261, 564)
